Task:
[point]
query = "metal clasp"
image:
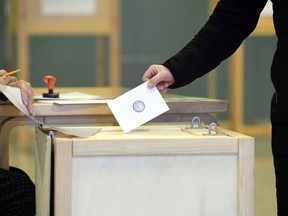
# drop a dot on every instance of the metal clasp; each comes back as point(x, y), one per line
point(216, 129)
point(193, 123)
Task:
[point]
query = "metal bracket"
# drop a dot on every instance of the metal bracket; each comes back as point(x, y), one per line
point(195, 120)
point(216, 129)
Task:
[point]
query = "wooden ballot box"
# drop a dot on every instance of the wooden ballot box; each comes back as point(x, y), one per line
point(154, 170)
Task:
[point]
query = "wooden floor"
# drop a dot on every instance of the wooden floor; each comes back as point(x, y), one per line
point(265, 201)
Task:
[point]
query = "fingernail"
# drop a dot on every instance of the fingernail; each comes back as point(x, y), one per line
point(149, 85)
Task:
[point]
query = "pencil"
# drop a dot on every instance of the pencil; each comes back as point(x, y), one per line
point(11, 72)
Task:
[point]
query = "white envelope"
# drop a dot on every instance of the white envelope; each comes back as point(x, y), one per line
point(137, 107)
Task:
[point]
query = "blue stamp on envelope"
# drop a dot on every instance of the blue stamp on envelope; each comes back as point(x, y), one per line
point(138, 106)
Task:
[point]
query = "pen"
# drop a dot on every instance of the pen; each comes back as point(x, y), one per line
point(11, 72)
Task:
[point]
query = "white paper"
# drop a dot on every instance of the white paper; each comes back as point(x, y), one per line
point(76, 131)
point(14, 96)
point(137, 106)
point(75, 102)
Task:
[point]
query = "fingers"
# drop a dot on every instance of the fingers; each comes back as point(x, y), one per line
point(2, 72)
point(156, 80)
point(6, 80)
point(159, 76)
point(154, 75)
point(149, 73)
point(25, 88)
point(27, 94)
point(162, 87)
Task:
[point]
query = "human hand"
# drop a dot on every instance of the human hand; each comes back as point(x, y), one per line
point(159, 76)
point(6, 80)
point(27, 94)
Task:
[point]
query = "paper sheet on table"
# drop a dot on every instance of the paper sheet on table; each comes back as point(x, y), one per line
point(70, 96)
point(137, 106)
point(14, 96)
point(73, 98)
point(75, 102)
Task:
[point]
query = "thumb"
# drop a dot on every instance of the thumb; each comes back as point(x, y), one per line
point(154, 81)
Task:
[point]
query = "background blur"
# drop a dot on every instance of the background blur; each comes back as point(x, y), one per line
point(145, 31)
point(112, 43)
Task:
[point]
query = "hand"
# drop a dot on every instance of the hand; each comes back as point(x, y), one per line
point(26, 94)
point(159, 76)
point(25, 88)
point(6, 80)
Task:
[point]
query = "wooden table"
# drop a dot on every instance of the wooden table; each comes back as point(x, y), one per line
point(181, 109)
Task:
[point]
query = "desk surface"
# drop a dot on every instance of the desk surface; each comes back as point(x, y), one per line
point(176, 103)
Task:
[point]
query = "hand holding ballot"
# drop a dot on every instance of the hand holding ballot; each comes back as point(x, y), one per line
point(159, 76)
point(27, 94)
point(137, 107)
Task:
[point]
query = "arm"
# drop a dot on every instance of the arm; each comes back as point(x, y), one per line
point(231, 22)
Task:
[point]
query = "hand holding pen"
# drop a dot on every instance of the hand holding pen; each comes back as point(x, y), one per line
point(6, 79)
point(25, 88)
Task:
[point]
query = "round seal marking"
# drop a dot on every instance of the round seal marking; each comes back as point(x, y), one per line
point(138, 106)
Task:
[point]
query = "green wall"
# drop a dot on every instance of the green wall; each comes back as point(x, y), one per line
point(71, 59)
point(3, 34)
point(258, 89)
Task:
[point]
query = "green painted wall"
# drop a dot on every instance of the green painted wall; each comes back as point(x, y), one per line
point(258, 89)
point(71, 59)
point(3, 34)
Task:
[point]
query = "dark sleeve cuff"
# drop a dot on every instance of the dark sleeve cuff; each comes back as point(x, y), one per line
point(3, 97)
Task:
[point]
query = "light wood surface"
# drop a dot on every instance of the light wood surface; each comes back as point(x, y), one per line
point(43, 154)
point(246, 172)
point(63, 159)
point(150, 141)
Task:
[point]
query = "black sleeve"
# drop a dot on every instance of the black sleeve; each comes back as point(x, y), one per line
point(230, 23)
point(3, 97)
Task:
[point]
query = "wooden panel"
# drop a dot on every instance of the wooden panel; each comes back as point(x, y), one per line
point(152, 140)
point(43, 161)
point(63, 178)
point(97, 23)
point(246, 176)
point(162, 185)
